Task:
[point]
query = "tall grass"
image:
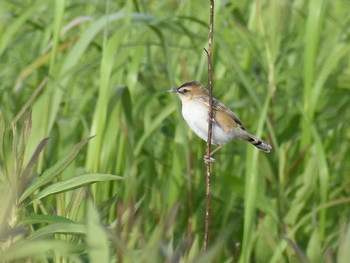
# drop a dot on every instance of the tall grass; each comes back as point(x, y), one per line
point(97, 164)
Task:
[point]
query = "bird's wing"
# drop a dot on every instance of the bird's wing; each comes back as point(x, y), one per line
point(224, 117)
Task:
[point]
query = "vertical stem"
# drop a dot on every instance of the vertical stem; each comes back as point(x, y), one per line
point(210, 125)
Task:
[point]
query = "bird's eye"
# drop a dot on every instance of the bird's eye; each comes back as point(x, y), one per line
point(184, 90)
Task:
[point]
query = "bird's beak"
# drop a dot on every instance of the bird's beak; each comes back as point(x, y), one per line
point(172, 90)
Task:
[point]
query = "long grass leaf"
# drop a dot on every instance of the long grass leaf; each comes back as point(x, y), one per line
point(55, 170)
point(58, 228)
point(73, 183)
point(33, 249)
point(96, 237)
point(6, 36)
point(155, 124)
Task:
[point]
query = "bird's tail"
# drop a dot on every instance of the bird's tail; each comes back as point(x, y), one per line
point(261, 145)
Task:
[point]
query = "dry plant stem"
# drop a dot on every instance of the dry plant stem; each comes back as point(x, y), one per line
point(210, 125)
point(31, 99)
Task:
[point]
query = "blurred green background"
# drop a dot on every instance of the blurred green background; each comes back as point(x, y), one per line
point(136, 191)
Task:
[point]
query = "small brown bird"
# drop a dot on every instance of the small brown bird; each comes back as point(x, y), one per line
point(226, 125)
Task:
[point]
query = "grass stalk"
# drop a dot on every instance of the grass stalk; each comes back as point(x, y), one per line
point(210, 125)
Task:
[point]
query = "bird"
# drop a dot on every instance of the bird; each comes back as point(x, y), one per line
point(226, 126)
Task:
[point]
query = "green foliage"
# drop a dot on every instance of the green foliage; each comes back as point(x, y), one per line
point(97, 164)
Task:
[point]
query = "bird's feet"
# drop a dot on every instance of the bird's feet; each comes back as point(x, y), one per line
point(208, 159)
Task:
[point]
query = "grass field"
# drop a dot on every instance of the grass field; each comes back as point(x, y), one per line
point(97, 164)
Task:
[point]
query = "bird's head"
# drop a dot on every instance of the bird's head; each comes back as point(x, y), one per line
point(190, 90)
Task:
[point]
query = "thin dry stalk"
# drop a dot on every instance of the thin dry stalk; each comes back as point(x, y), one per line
point(210, 125)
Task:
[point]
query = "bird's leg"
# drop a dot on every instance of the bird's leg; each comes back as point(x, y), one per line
point(215, 150)
point(209, 159)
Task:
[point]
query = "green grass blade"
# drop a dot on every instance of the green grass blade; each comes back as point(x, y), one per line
point(33, 249)
point(96, 237)
point(55, 170)
point(100, 115)
point(154, 125)
point(73, 183)
point(315, 20)
point(48, 219)
point(58, 228)
point(6, 37)
point(343, 251)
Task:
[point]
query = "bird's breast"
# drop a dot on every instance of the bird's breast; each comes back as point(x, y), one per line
point(195, 114)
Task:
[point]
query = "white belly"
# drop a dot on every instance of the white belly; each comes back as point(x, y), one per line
point(196, 116)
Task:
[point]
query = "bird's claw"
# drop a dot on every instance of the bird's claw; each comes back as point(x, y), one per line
point(208, 159)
